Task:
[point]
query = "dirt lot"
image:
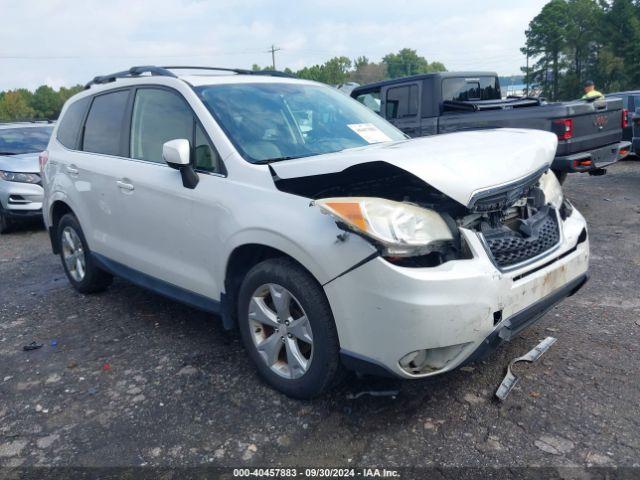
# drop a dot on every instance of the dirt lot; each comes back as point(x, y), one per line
point(129, 378)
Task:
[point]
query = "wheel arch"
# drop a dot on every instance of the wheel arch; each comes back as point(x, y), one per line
point(242, 259)
point(58, 209)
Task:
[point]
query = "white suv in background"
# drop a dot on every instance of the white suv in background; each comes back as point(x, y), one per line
point(310, 223)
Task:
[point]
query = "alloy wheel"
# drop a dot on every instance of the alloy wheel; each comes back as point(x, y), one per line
point(281, 331)
point(73, 254)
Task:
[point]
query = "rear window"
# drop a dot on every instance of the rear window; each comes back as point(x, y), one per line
point(71, 123)
point(472, 88)
point(15, 141)
point(104, 126)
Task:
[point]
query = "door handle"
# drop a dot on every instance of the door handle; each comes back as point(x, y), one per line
point(72, 169)
point(125, 185)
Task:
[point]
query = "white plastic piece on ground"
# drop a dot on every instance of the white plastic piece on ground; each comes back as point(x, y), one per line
point(510, 379)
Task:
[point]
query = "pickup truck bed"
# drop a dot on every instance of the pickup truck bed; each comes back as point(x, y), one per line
point(589, 133)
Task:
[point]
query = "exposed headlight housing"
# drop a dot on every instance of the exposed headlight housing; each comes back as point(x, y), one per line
point(551, 188)
point(400, 229)
point(20, 177)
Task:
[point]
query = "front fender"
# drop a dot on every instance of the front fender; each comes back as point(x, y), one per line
point(317, 244)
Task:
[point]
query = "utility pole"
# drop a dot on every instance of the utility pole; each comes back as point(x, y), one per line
point(273, 51)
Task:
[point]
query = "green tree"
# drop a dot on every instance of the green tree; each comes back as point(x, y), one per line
point(546, 40)
point(14, 106)
point(66, 93)
point(332, 72)
point(621, 29)
point(46, 102)
point(407, 62)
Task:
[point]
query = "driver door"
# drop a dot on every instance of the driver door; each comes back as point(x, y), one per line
point(156, 216)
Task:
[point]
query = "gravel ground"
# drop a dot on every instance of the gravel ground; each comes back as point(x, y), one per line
point(128, 378)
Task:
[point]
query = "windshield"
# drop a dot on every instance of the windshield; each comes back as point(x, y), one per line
point(279, 121)
point(14, 141)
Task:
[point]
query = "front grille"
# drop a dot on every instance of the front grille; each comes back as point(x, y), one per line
point(510, 248)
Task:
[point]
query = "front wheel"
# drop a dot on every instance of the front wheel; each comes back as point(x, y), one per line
point(5, 223)
point(83, 274)
point(288, 329)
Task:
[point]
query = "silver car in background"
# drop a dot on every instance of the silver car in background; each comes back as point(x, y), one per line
point(20, 185)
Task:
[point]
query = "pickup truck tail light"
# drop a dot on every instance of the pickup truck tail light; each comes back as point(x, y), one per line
point(625, 118)
point(563, 128)
point(43, 158)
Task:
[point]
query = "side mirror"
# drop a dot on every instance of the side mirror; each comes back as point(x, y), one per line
point(177, 154)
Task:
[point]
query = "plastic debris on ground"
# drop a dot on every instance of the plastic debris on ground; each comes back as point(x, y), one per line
point(510, 379)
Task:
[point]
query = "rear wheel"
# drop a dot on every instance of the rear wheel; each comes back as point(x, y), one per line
point(83, 274)
point(288, 329)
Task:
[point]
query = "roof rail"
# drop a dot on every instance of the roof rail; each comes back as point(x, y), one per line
point(239, 71)
point(132, 72)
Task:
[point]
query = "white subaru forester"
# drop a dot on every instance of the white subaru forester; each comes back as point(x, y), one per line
point(317, 228)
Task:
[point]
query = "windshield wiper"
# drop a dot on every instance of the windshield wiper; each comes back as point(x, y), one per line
point(8, 153)
point(277, 159)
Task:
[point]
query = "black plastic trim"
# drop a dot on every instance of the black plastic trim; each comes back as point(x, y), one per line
point(365, 365)
point(156, 285)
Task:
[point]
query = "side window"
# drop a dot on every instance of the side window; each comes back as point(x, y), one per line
point(207, 157)
point(103, 128)
point(70, 125)
point(158, 116)
point(371, 100)
point(402, 102)
point(634, 102)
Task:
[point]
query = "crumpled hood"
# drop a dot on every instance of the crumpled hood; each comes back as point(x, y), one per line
point(23, 163)
point(457, 164)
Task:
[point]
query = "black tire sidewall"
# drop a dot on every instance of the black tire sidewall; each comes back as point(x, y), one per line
point(5, 222)
point(325, 361)
point(94, 278)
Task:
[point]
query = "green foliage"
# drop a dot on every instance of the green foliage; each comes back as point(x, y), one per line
point(361, 70)
point(571, 41)
point(44, 103)
point(407, 62)
point(333, 71)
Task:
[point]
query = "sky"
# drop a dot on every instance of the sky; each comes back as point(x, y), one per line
point(66, 42)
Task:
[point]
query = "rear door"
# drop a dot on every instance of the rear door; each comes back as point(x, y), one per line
point(401, 107)
point(91, 169)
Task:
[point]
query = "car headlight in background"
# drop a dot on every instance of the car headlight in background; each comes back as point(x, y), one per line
point(20, 177)
point(401, 229)
point(551, 188)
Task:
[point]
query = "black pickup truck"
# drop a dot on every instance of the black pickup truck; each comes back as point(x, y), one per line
point(589, 132)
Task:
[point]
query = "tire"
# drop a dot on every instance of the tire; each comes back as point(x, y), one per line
point(307, 300)
point(561, 176)
point(5, 224)
point(89, 279)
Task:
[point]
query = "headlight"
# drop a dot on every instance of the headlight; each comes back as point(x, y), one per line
point(20, 177)
point(399, 228)
point(551, 188)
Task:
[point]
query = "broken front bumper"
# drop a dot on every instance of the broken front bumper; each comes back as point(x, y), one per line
point(452, 312)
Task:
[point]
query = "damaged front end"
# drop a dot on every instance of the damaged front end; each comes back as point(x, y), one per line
point(415, 225)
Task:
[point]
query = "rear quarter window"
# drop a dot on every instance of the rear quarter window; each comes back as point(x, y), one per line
point(105, 125)
point(71, 123)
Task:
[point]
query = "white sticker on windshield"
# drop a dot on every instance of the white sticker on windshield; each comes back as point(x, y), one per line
point(369, 132)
